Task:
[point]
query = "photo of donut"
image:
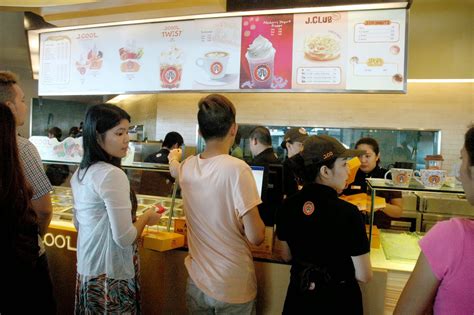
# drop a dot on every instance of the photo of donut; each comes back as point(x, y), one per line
point(129, 66)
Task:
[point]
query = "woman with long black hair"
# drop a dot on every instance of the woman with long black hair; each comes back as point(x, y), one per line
point(107, 260)
point(25, 272)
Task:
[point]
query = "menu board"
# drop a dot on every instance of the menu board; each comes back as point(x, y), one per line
point(352, 51)
point(266, 52)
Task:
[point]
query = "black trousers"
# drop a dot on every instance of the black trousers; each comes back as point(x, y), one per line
point(27, 289)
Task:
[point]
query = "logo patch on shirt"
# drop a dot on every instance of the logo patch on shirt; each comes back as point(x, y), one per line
point(308, 208)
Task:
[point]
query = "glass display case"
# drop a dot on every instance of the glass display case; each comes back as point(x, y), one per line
point(396, 145)
point(152, 184)
point(422, 194)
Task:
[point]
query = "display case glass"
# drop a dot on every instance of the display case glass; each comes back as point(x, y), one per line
point(417, 190)
point(396, 145)
point(152, 184)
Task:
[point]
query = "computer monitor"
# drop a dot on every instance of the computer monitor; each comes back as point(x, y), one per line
point(258, 173)
point(271, 191)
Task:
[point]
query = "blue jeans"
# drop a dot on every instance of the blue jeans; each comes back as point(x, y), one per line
point(200, 303)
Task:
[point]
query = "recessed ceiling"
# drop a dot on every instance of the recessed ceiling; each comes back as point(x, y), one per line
point(40, 4)
point(80, 12)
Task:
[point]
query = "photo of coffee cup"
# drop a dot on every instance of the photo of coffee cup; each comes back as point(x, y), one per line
point(260, 57)
point(400, 176)
point(214, 63)
point(431, 178)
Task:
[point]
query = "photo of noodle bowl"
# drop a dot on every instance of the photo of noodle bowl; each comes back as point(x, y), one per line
point(322, 47)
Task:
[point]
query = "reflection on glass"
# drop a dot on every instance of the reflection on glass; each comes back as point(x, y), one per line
point(395, 145)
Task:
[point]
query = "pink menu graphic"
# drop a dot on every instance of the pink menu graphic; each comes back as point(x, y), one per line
point(266, 52)
point(320, 50)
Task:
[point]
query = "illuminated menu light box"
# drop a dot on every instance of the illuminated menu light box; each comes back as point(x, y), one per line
point(347, 51)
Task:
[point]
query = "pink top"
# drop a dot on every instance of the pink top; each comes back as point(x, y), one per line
point(217, 193)
point(449, 248)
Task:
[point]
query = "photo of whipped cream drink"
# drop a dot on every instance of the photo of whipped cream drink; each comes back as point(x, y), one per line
point(171, 61)
point(260, 56)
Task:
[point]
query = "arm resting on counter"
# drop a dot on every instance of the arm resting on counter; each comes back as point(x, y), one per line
point(44, 211)
point(394, 209)
point(363, 267)
point(254, 226)
point(420, 290)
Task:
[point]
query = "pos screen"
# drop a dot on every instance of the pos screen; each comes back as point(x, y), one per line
point(257, 172)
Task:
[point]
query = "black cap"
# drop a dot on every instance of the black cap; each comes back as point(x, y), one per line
point(318, 149)
point(294, 135)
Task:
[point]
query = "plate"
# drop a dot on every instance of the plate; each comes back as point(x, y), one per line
point(202, 78)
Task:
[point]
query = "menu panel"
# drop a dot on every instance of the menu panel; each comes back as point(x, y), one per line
point(266, 52)
point(320, 51)
point(376, 50)
point(330, 51)
point(216, 58)
point(174, 43)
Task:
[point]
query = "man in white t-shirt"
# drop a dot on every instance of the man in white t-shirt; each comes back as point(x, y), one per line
point(220, 200)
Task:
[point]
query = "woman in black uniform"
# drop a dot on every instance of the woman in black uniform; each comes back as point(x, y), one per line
point(370, 168)
point(322, 235)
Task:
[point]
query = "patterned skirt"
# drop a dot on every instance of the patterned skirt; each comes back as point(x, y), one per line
point(102, 295)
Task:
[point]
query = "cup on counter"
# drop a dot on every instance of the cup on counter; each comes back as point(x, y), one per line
point(214, 63)
point(431, 178)
point(400, 176)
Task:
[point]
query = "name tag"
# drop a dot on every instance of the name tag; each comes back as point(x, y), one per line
point(356, 187)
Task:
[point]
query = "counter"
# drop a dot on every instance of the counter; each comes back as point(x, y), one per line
point(163, 277)
point(163, 274)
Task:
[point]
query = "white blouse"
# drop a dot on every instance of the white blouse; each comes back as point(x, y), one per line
point(102, 216)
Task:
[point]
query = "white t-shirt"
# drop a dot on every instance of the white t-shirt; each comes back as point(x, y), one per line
point(102, 215)
point(217, 193)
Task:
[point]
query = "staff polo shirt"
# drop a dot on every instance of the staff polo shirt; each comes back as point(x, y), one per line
point(290, 185)
point(265, 157)
point(323, 230)
point(158, 157)
point(360, 185)
point(381, 220)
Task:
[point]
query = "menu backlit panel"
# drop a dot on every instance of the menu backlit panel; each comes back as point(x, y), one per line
point(352, 51)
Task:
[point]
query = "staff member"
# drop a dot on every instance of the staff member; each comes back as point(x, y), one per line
point(173, 140)
point(293, 144)
point(261, 147)
point(370, 168)
point(325, 265)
